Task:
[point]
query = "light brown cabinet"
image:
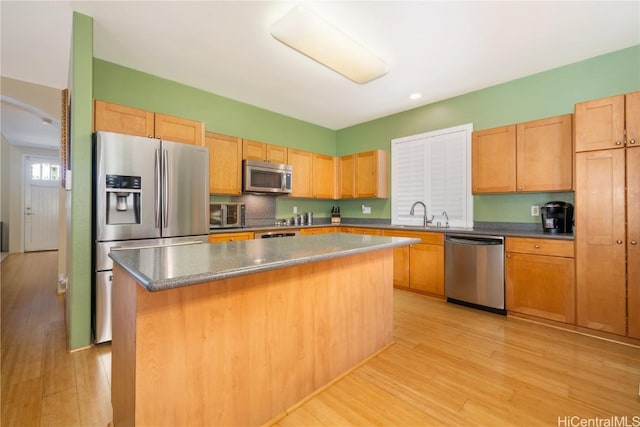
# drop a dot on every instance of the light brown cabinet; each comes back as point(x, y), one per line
point(362, 230)
point(133, 121)
point(601, 124)
point(256, 150)
point(419, 266)
point(302, 171)
point(364, 175)
point(531, 156)
point(225, 165)
point(540, 278)
point(544, 154)
point(607, 230)
point(318, 230)
point(324, 176)
point(230, 237)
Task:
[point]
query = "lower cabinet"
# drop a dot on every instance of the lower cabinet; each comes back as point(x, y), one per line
point(318, 230)
point(540, 278)
point(230, 237)
point(419, 266)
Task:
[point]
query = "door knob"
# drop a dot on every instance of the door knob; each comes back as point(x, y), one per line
point(619, 242)
point(632, 142)
point(618, 142)
point(633, 242)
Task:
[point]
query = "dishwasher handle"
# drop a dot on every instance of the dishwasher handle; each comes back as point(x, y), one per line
point(475, 241)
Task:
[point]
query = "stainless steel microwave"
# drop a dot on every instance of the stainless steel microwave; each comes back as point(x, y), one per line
point(266, 177)
point(226, 215)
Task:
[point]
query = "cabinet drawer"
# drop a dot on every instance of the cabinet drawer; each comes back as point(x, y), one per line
point(551, 247)
point(229, 237)
point(430, 238)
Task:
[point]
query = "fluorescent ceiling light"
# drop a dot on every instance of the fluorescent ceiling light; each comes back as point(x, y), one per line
point(314, 37)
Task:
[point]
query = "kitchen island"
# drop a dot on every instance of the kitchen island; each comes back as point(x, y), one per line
point(239, 333)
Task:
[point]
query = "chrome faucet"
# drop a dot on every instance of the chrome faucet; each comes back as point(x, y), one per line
point(446, 219)
point(426, 220)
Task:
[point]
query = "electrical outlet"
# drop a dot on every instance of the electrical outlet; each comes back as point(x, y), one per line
point(535, 210)
point(366, 209)
point(295, 209)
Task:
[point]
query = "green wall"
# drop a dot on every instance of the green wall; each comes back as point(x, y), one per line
point(78, 304)
point(541, 95)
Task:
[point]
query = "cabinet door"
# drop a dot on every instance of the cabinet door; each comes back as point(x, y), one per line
point(633, 240)
point(301, 163)
point(277, 154)
point(324, 176)
point(600, 234)
point(545, 154)
point(632, 114)
point(371, 177)
point(253, 150)
point(120, 119)
point(493, 160)
point(229, 237)
point(177, 129)
point(369, 231)
point(600, 124)
point(401, 266)
point(426, 271)
point(225, 165)
point(541, 286)
point(347, 176)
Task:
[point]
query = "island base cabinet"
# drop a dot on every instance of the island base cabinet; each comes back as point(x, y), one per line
point(541, 286)
point(243, 350)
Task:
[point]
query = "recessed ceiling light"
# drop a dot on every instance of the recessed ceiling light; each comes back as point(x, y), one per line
point(415, 96)
point(309, 34)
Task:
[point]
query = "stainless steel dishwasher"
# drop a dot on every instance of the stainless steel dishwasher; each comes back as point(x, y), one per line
point(474, 271)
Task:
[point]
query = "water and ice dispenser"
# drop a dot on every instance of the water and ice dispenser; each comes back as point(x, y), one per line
point(123, 199)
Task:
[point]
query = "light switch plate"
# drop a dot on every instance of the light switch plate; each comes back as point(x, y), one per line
point(535, 210)
point(366, 209)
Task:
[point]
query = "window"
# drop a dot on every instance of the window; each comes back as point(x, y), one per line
point(49, 172)
point(434, 168)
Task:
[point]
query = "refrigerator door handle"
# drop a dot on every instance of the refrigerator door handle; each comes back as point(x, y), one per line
point(157, 185)
point(165, 186)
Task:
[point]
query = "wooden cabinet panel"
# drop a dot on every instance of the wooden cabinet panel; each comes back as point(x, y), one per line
point(633, 241)
point(493, 160)
point(277, 154)
point(534, 246)
point(362, 230)
point(542, 286)
point(371, 174)
point(600, 234)
point(600, 124)
point(401, 266)
point(324, 176)
point(301, 163)
point(426, 268)
point(229, 237)
point(225, 165)
point(545, 154)
point(121, 119)
point(347, 176)
point(253, 150)
point(318, 230)
point(177, 129)
point(632, 118)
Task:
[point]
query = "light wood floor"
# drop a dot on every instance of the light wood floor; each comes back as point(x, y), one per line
point(450, 365)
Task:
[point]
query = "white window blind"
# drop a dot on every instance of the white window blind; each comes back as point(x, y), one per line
point(434, 168)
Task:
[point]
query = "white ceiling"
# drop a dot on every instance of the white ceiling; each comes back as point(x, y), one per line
point(440, 49)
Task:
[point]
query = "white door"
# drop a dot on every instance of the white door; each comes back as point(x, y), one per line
point(42, 178)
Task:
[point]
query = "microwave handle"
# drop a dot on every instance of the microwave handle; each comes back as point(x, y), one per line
point(283, 181)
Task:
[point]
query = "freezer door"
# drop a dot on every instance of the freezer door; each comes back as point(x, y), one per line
point(102, 314)
point(127, 157)
point(185, 190)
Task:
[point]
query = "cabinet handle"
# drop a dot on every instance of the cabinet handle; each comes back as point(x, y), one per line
point(632, 142)
point(633, 242)
point(537, 246)
point(619, 242)
point(508, 255)
point(618, 142)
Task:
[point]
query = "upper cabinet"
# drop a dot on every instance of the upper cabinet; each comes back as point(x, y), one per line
point(601, 124)
point(302, 167)
point(364, 175)
point(225, 163)
point(133, 121)
point(256, 150)
point(544, 154)
point(493, 160)
point(324, 176)
point(530, 156)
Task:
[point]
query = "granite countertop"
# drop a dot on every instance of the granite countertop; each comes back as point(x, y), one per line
point(493, 229)
point(161, 268)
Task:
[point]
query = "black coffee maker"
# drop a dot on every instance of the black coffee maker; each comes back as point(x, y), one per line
point(557, 217)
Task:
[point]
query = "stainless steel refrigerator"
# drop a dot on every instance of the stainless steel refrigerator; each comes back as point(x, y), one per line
point(147, 192)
